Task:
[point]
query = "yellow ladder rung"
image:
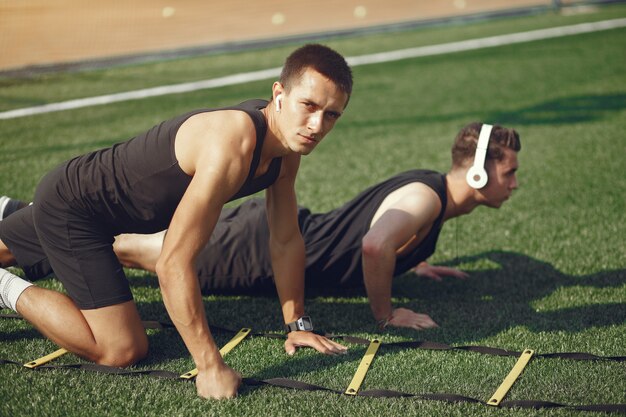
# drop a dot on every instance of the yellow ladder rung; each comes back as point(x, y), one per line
point(359, 376)
point(510, 379)
point(223, 351)
point(43, 360)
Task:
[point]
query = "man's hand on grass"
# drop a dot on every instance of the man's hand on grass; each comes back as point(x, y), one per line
point(309, 339)
point(218, 382)
point(436, 273)
point(403, 317)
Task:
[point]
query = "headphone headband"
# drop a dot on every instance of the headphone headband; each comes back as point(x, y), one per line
point(477, 176)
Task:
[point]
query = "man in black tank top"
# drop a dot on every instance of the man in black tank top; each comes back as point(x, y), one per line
point(387, 230)
point(335, 240)
point(177, 175)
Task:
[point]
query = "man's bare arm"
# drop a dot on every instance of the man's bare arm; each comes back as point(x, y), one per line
point(288, 258)
point(219, 166)
point(397, 225)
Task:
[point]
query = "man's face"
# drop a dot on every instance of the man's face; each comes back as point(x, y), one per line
point(502, 179)
point(309, 111)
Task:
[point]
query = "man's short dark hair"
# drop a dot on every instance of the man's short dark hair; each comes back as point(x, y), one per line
point(322, 59)
point(464, 147)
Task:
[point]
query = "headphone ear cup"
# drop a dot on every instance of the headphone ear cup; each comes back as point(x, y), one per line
point(476, 177)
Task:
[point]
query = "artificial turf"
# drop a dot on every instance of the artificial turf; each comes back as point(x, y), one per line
point(548, 270)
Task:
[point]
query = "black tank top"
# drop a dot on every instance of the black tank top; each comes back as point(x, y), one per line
point(135, 186)
point(237, 256)
point(333, 239)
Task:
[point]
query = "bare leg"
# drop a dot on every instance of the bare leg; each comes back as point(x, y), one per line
point(112, 335)
point(6, 257)
point(139, 251)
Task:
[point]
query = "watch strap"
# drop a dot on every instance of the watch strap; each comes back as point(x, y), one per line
point(303, 323)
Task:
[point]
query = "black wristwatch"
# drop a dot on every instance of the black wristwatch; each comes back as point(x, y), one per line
point(304, 323)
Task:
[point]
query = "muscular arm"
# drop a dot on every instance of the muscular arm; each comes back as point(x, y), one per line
point(219, 166)
point(398, 224)
point(288, 257)
point(286, 243)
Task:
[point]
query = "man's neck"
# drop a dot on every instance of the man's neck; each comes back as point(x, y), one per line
point(461, 198)
point(273, 147)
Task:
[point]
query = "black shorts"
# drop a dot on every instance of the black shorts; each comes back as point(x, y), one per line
point(236, 259)
point(50, 237)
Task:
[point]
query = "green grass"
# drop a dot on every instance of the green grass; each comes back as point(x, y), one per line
point(548, 270)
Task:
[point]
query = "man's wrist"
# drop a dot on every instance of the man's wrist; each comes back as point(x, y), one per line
point(303, 323)
point(209, 360)
point(384, 322)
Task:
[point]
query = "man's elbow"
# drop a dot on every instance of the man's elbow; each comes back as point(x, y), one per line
point(370, 247)
point(374, 248)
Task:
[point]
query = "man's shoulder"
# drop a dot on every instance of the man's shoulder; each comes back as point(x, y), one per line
point(417, 191)
point(219, 127)
point(208, 137)
point(412, 197)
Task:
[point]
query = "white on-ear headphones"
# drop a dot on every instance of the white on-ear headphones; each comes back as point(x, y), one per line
point(278, 102)
point(477, 176)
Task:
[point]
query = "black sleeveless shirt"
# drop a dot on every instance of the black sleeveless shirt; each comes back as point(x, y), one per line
point(334, 239)
point(237, 256)
point(135, 186)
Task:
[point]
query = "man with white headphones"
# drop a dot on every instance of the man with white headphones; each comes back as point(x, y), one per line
point(483, 172)
point(385, 231)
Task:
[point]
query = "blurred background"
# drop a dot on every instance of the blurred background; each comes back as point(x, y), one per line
point(61, 34)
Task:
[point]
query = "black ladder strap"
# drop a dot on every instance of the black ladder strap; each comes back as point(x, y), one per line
point(413, 344)
point(305, 386)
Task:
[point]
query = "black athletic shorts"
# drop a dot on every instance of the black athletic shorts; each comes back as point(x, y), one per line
point(50, 237)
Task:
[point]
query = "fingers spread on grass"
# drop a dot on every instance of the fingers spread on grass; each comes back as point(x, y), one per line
point(315, 341)
point(437, 273)
point(452, 272)
point(403, 317)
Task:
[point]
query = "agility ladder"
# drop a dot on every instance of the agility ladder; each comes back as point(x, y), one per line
point(353, 389)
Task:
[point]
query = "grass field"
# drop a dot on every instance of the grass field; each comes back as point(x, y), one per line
point(548, 270)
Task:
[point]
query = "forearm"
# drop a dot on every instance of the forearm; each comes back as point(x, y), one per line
point(378, 269)
point(183, 301)
point(285, 240)
point(288, 260)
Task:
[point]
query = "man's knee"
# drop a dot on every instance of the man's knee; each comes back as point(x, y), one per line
point(124, 354)
point(120, 337)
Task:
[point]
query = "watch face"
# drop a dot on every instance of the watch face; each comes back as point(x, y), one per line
point(305, 323)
